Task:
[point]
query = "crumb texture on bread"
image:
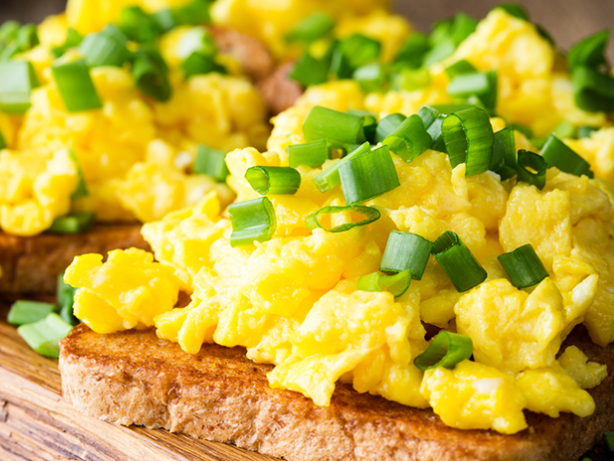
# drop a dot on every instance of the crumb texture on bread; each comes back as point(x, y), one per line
point(134, 377)
point(32, 264)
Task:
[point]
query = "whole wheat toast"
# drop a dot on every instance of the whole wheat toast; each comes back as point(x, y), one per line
point(32, 264)
point(134, 377)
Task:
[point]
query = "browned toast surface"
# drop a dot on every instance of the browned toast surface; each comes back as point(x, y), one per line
point(135, 378)
point(32, 264)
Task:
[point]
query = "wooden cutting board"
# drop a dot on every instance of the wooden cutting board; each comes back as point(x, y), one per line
point(36, 423)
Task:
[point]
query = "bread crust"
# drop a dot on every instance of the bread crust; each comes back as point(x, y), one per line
point(31, 265)
point(134, 377)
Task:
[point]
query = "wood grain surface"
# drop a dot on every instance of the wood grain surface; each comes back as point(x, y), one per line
point(36, 424)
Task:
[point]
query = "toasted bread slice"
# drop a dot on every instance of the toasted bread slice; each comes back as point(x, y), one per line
point(136, 378)
point(32, 264)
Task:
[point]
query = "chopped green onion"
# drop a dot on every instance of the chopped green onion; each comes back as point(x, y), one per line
point(387, 125)
point(608, 438)
point(312, 154)
point(336, 127)
point(113, 31)
point(523, 266)
point(211, 162)
point(589, 51)
point(3, 144)
point(17, 80)
point(253, 220)
point(27, 37)
point(514, 9)
point(138, 25)
point(8, 31)
point(273, 180)
point(44, 336)
point(586, 131)
point(103, 49)
point(75, 86)
point(199, 63)
point(446, 350)
point(372, 78)
point(464, 271)
point(150, 74)
point(532, 168)
point(73, 39)
point(165, 19)
point(72, 223)
point(593, 91)
point(560, 155)
point(313, 220)
point(411, 79)
point(447, 36)
point(81, 190)
point(66, 300)
point(565, 130)
point(439, 52)
point(396, 285)
point(329, 178)
point(436, 134)
point(504, 154)
point(447, 109)
point(428, 115)
point(460, 68)
point(24, 312)
point(465, 85)
point(368, 176)
point(410, 139)
point(310, 71)
point(405, 250)
point(525, 130)
point(369, 124)
point(353, 52)
point(413, 51)
point(469, 139)
point(312, 28)
point(193, 13)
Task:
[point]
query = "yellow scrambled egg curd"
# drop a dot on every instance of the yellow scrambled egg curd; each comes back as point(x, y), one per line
point(35, 188)
point(270, 20)
point(126, 291)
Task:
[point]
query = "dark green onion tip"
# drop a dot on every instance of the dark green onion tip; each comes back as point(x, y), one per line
point(396, 285)
point(445, 350)
point(464, 271)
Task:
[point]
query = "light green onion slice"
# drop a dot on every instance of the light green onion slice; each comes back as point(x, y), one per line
point(45, 335)
point(24, 312)
point(370, 214)
point(396, 284)
point(532, 168)
point(66, 300)
point(3, 144)
point(464, 271)
point(253, 220)
point(81, 190)
point(368, 176)
point(273, 180)
point(372, 78)
point(446, 350)
point(387, 125)
point(405, 250)
point(75, 86)
point(356, 50)
point(312, 28)
point(165, 19)
point(329, 178)
point(150, 74)
point(480, 84)
point(428, 115)
point(138, 26)
point(560, 155)
point(72, 223)
point(211, 162)
point(196, 12)
point(410, 139)
point(17, 80)
point(103, 49)
point(586, 131)
point(593, 90)
point(504, 154)
point(469, 139)
point(73, 39)
point(336, 127)
point(410, 79)
point(523, 266)
point(309, 70)
point(312, 154)
point(565, 130)
point(413, 51)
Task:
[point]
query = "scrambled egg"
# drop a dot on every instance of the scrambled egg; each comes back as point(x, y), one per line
point(293, 301)
point(136, 154)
